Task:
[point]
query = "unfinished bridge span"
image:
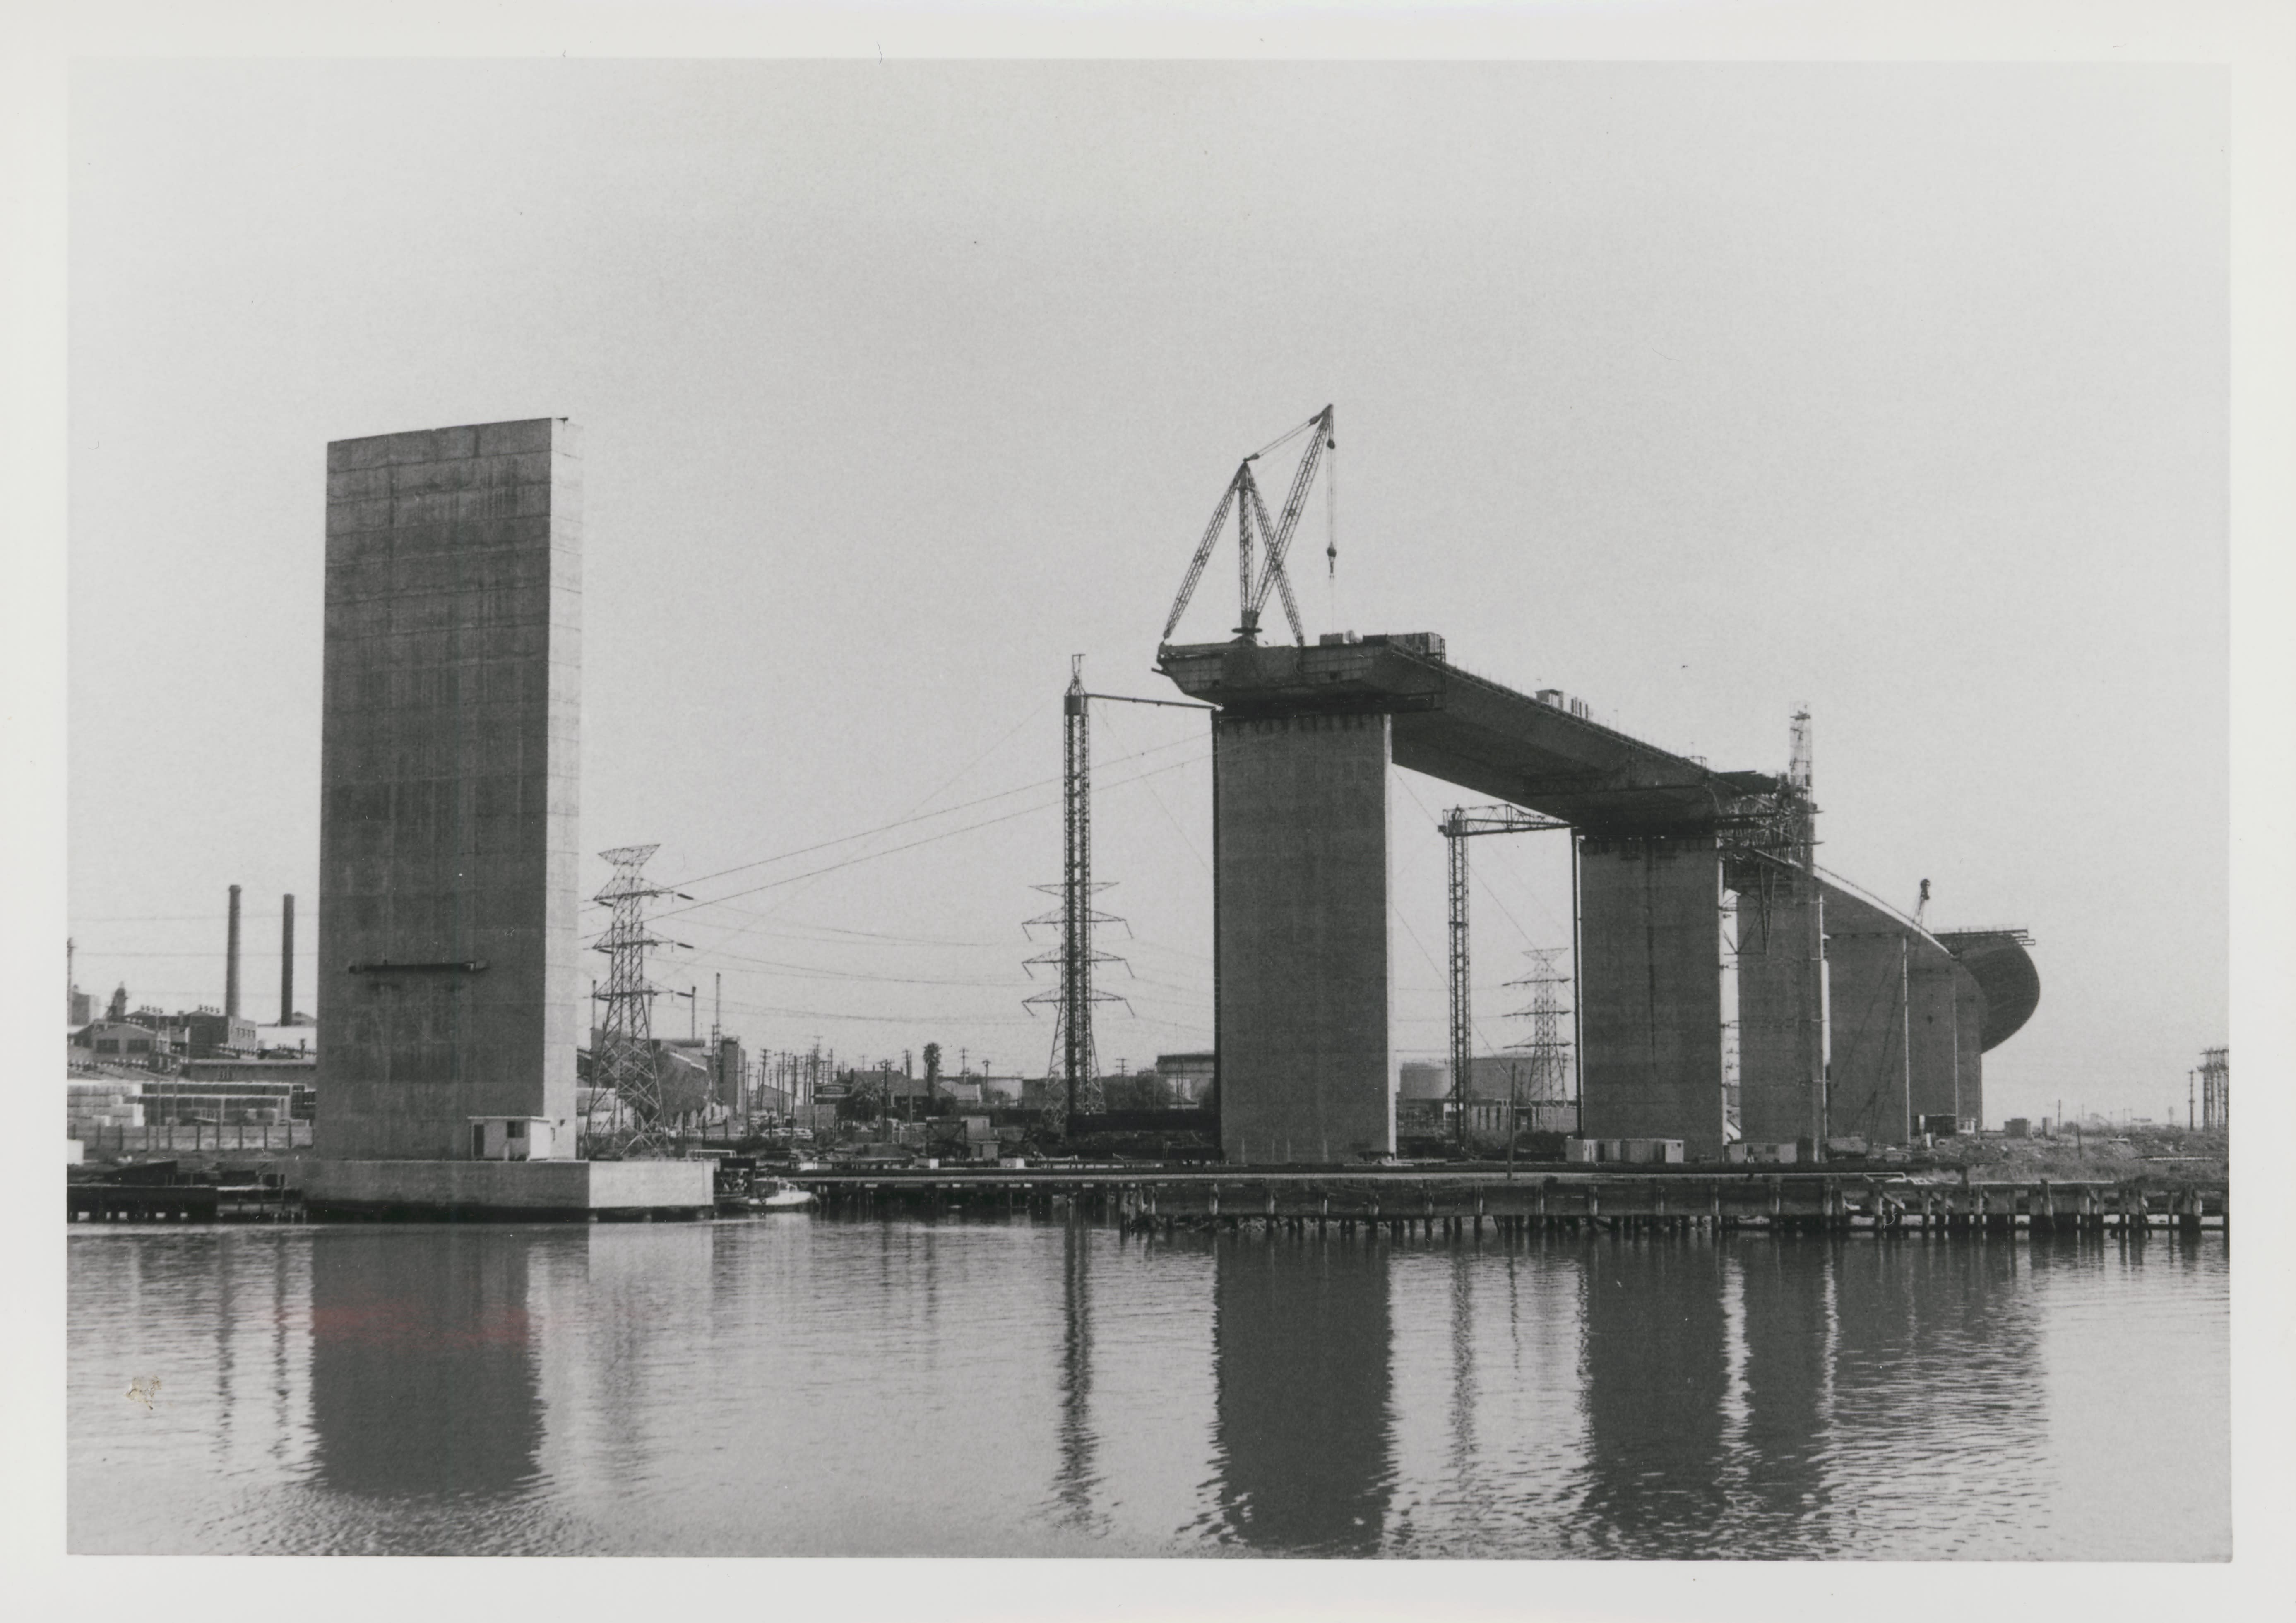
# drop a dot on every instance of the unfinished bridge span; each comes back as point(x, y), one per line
point(1852, 1019)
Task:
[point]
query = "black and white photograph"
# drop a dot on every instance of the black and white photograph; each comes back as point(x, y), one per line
point(1376, 807)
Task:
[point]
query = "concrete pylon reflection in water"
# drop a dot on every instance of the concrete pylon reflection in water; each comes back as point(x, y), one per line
point(423, 1374)
point(1301, 1423)
point(1655, 1379)
point(1787, 1335)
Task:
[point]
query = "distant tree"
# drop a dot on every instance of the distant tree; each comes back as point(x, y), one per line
point(1140, 1091)
point(932, 1068)
point(861, 1102)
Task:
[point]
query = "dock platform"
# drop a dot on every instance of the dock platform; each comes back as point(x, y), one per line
point(1472, 1201)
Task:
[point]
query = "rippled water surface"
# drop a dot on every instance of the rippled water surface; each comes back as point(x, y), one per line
point(795, 1386)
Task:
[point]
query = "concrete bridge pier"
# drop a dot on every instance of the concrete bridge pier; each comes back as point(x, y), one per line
point(1649, 990)
point(1781, 1002)
point(1307, 1066)
point(1907, 1022)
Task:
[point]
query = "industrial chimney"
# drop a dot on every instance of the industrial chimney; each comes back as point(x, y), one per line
point(287, 961)
point(230, 962)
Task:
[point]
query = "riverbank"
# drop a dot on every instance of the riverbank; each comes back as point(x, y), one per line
point(2169, 1158)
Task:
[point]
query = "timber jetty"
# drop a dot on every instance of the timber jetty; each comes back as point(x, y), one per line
point(1453, 1202)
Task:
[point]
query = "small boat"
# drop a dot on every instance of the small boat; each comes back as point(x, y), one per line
point(777, 1195)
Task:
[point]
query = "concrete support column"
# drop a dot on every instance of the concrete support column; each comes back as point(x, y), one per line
point(1869, 1073)
point(1781, 1014)
point(1306, 1067)
point(1969, 1042)
point(1651, 991)
point(448, 762)
point(1907, 1021)
point(1934, 984)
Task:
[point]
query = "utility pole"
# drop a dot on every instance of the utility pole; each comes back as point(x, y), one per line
point(1905, 1030)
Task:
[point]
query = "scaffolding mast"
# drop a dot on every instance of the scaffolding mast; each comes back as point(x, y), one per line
point(1074, 1067)
point(625, 1061)
point(1458, 826)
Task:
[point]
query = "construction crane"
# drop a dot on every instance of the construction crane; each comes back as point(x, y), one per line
point(1242, 495)
point(1458, 826)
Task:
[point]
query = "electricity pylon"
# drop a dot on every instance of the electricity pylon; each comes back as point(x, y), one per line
point(625, 1060)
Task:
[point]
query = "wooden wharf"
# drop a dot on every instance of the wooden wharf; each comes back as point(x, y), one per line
point(1448, 1204)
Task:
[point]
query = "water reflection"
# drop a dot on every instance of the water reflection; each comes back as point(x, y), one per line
point(422, 1380)
point(868, 1387)
point(1076, 1443)
point(1654, 1371)
point(1786, 1353)
point(1301, 1424)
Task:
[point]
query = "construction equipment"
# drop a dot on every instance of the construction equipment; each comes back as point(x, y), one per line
point(1458, 826)
point(1074, 1064)
point(1242, 494)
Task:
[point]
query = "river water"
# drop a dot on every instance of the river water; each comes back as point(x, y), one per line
point(820, 1386)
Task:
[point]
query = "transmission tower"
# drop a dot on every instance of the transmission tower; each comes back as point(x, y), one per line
point(1074, 1066)
point(625, 1060)
point(1549, 1051)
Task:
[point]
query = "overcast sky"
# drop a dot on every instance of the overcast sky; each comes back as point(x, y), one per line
point(1700, 391)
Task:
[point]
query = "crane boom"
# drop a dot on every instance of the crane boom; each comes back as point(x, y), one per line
point(1294, 503)
point(1282, 580)
point(1204, 553)
point(1256, 578)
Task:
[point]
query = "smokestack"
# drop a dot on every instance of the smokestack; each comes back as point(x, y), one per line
point(287, 962)
point(230, 962)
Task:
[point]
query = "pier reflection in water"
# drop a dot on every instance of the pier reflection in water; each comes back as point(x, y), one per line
point(423, 1372)
point(1300, 1352)
point(1039, 1388)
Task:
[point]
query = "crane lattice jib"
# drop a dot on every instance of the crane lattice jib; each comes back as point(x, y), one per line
point(1282, 580)
point(1204, 552)
point(1281, 541)
point(1245, 502)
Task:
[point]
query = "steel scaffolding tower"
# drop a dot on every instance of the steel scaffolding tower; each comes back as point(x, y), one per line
point(1074, 1065)
point(623, 1060)
point(1458, 826)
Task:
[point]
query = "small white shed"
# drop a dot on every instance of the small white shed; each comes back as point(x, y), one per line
point(512, 1138)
